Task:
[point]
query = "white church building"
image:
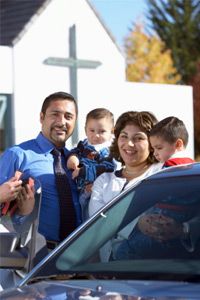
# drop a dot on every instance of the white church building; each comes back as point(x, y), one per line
point(63, 45)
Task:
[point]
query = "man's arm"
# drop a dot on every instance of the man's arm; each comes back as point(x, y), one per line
point(91, 169)
point(10, 162)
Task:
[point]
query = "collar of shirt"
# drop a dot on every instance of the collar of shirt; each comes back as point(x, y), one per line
point(46, 146)
point(180, 154)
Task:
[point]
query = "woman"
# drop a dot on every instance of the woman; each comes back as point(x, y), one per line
point(132, 148)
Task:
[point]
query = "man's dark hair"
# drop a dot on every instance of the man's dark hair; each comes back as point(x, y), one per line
point(58, 96)
point(170, 129)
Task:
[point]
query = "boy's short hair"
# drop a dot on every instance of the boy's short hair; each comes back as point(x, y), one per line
point(100, 113)
point(170, 129)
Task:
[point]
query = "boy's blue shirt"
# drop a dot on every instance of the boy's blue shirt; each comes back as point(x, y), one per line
point(92, 162)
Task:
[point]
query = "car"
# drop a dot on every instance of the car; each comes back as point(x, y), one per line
point(84, 265)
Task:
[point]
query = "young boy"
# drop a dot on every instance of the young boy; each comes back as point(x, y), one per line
point(91, 156)
point(168, 139)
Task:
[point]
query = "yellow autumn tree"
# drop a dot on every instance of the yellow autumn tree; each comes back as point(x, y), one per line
point(147, 59)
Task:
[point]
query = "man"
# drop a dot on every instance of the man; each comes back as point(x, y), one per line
point(34, 159)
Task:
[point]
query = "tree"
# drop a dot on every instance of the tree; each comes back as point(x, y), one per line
point(147, 59)
point(177, 23)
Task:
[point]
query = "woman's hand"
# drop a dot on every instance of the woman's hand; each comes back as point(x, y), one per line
point(160, 227)
point(25, 200)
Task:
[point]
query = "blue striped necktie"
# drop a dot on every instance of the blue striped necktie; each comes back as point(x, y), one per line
point(67, 210)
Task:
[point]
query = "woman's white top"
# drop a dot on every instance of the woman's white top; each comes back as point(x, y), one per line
point(108, 185)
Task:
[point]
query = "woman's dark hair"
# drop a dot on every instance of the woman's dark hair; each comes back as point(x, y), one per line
point(58, 96)
point(144, 120)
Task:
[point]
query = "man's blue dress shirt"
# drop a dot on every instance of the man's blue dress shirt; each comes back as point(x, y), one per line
point(34, 159)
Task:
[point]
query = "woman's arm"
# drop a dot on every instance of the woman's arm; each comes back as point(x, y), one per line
point(97, 197)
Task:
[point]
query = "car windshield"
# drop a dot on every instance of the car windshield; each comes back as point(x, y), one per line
point(112, 242)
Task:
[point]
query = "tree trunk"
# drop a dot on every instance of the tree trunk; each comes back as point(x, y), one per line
point(195, 83)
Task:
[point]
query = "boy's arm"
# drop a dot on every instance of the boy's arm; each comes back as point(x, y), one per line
point(91, 169)
point(78, 150)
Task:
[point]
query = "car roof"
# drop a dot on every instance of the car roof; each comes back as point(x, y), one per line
point(191, 169)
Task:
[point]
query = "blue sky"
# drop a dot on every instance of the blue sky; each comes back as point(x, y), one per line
point(119, 15)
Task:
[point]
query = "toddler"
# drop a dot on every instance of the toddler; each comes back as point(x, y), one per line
point(91, 156)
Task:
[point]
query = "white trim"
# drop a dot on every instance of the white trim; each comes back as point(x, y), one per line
point(3, 106)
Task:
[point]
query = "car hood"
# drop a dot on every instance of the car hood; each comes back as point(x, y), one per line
point(79, 289)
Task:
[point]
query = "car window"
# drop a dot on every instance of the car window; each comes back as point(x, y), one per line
point(94, 249)
point(101, 231)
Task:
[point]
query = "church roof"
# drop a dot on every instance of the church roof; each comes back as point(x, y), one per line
point(14, 15)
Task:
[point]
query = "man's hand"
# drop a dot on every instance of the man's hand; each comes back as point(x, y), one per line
point(10, 189)
point(25, 200)
point(160, 227)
